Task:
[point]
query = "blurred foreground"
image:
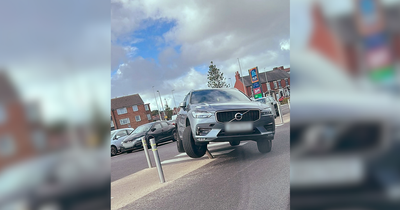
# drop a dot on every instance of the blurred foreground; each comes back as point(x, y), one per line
point(54, 105)
point(345, 121)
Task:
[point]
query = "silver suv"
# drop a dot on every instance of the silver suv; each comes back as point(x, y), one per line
point(222, 115)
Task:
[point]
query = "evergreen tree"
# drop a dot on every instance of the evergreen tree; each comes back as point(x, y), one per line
point(215, 77)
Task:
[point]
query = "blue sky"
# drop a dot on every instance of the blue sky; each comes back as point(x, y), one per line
point(170, 44)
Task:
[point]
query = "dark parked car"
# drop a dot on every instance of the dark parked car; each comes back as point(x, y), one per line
point(161, 131)
point(222, 115)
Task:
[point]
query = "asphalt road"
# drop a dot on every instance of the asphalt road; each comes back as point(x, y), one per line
point(242, 178)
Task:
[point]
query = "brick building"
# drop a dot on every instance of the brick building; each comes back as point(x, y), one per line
point(129, 112)
point(278, 82)
point(22, 135)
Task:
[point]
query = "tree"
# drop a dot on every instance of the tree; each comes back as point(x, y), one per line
point(154, 112)
point(215, 77)
point(168, 111)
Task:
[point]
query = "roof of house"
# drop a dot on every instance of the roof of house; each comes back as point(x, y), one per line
point(126, 101)
point(273, 75)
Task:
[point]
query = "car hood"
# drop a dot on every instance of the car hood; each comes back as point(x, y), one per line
point(228, 106)
point(135, 135)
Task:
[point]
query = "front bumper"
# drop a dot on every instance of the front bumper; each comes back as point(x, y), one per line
point(130, 145)
point(263, 129)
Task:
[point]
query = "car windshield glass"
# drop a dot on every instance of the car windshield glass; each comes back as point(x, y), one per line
point(217, 96)
point(261, 100)
point(142, 128)
point(113, 132)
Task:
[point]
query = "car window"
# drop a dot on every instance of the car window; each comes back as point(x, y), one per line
point(142, 128)
point(157, 126)
point(187, 99)
point(121, 133)
point(217, 96)
point(164, 124)
point(129, 131)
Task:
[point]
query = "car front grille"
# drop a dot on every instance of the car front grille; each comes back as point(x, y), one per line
point(250, 115)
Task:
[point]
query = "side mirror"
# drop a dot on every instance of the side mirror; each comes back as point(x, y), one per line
point(116, 137)
point(153, 129)
point(182, 104)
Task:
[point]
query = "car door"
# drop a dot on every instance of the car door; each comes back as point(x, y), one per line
point(119, 137)
point(167, 131)
point(157, 132)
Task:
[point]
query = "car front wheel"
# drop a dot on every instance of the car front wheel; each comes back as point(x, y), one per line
point(113, 150)
point(264, 146)
point(191, 149)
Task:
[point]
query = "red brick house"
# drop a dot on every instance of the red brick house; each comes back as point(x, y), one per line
point(278, 82)
point(22, 135)
point(129, 112)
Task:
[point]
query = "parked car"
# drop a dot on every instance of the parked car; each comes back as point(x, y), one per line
point(117, 136)
point(161, 131)
point(222, 115)
point(268, 102)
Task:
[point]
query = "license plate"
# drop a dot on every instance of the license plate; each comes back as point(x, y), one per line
point(326, 172)
point(239, 127)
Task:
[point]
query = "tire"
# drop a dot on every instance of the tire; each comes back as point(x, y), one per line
point(179, 144)
point(234, 143)
point(174, 138)
point(191, 149)
point(264, 146)
point(113, 150)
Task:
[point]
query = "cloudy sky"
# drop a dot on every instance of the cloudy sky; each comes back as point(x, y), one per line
point(169, 44)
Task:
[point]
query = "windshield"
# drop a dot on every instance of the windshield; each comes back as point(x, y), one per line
point(142, 128)
point(217, 96)
point(261, 100)
point(113, 132)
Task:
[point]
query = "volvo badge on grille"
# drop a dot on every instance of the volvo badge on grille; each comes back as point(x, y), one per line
point(238, 116)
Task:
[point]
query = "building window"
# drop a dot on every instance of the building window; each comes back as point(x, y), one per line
point(112, 123)
point(137, 118)
point(7, 146)
point(279, 84)
point(148, 116)
point(124, 121)
point(275, 85)
point(146, 107)
point(135, 108)
point(122, 111)
point(287, 82)
point(268, 86)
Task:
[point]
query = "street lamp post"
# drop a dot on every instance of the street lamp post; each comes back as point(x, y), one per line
point(157, 103)
point(172, 91)
point(161, 102)
point(230, 81)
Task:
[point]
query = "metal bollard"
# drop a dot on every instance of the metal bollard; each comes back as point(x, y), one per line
point(146, 152)
point(288, 103)
point(280, 113)
point(157, 159)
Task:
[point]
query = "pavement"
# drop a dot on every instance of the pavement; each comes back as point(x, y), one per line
point(237, 178)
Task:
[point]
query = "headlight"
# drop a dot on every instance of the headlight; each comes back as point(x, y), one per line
point(266, 112)
point(202, 114)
